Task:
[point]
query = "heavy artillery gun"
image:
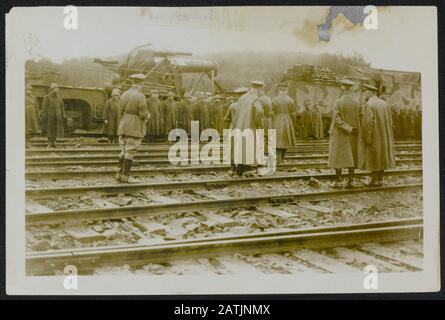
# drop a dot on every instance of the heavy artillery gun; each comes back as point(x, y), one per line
point(164, 70)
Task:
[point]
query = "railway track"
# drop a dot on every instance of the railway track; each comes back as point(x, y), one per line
point(87, 260)
point(75, 216)
point(187, 185)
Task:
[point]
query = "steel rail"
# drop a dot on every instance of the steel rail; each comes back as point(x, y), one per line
point(165, 162)
point(106, 147)
point(164, 156)
point(76, 215)
point(88, 259)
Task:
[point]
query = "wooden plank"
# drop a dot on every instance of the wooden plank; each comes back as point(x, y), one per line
point(235, 265)
point(33, 207)
point(362, 259)
point(325, 262)
point(192, 267)
point(291, 265)
point(84, 234)
point(393, 254)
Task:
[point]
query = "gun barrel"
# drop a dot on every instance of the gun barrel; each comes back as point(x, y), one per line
point(167, 53)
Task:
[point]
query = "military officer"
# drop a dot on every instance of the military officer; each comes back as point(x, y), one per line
point(32, 114)
point(282, 109)
point(185, 112)
point(154, 126)
point(317, 122)
point(132, 127)
point(249, 116)
point(112, 116)
point(306, 121)
point(53, 115)
point(345, 134)
point(169, 111)
point(377, 136)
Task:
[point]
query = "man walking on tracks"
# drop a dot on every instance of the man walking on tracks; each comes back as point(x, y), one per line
point(53, 115)
point(132, 127)
point(377, 135)
point(345, 134)
point(112, 116)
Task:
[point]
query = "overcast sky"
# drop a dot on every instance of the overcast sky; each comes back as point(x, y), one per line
point(102, 32)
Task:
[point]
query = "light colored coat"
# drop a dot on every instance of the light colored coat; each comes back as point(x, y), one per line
point(134, 114)
point(377, 136)
point(344, 147)
point(249, 116)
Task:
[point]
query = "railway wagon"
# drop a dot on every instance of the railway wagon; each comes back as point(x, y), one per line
point(83, 106)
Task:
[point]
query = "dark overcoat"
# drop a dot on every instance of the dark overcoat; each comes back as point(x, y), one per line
point(112, 114)
point(169, 111)
point(154, 125)
point(378, 136)
point(344, 146)
point(31, 114)
point(282, 108)
point(53, 115)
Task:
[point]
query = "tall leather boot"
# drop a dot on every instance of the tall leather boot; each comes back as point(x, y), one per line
point(125, 176)
point(120, 168)
point(350, 178)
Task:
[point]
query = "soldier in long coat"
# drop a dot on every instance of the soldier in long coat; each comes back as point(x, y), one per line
point(112, 116)
point(132, 127)
point(306, 125)
point(317, 122)
point(203, 113)
point(344, 142)
point(411, 123)
point(377, 136)
point(395, 121)
point(53, 115)
point(248, 117)
point(282, 107)
point(185, 113)
point(32, 114)
point(154, 126)
point(419, 124)
point(219, 114)
point(169, 111)
point(404, 124)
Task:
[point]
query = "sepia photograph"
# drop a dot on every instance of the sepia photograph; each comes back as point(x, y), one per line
point(164, 150)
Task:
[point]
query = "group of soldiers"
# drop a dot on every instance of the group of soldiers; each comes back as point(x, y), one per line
point(361, 133)
point(407, 123)
point(50, 120)
point(170, 114)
